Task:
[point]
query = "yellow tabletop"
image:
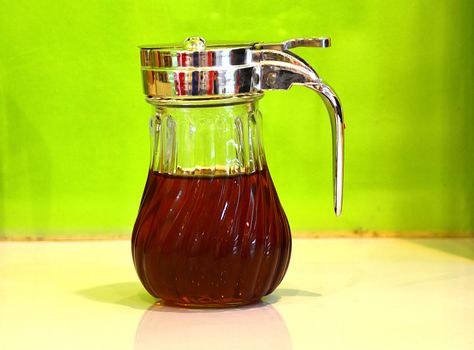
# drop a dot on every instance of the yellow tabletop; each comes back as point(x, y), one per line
point(337, 294)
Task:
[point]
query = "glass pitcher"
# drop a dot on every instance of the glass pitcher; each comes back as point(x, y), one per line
point(211, 231)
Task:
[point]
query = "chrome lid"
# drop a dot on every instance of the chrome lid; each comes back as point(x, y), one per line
point(196, 68)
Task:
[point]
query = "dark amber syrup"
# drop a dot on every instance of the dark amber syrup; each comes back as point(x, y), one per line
point(211, 240)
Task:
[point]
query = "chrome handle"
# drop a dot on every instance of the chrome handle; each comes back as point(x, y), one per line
point(334, 108)
point(280, 69)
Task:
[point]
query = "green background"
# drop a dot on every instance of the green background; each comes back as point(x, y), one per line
point(74, 124)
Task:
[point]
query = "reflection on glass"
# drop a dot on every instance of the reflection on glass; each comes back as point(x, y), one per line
point(251, 327)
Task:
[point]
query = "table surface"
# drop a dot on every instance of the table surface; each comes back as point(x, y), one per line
point(337, 294)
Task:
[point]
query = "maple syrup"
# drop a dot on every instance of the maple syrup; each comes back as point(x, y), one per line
point(211, 240)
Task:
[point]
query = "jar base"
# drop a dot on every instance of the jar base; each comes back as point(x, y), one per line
point(207, 303)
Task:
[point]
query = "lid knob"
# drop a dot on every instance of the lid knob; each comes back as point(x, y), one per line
point(195, 43)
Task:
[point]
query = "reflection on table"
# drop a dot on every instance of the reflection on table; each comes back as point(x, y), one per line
point(257, 326)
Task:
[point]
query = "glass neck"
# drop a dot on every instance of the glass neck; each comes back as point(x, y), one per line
point(207, 139)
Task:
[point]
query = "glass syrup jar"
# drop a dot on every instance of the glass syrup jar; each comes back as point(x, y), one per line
point(211, 231)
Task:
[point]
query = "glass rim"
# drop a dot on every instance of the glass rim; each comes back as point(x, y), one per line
point(208, 101)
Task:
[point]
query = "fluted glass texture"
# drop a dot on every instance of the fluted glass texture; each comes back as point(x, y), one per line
point(207, 140)
point(211, 230)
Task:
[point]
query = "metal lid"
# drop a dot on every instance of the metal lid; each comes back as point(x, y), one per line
point(196, 68)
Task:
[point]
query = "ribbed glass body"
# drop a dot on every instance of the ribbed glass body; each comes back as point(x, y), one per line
point(211, 230)
point(207, 139)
